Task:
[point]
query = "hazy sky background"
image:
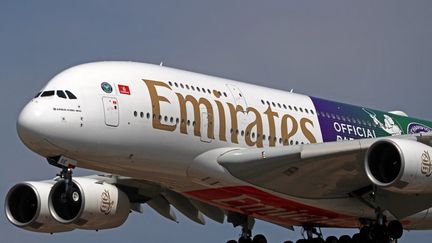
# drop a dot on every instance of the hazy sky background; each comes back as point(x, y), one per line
point(372, 53)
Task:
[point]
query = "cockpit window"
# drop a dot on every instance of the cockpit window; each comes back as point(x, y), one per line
point(37, 95)
point(70, 95)
point(61, 94)
point(47, 93)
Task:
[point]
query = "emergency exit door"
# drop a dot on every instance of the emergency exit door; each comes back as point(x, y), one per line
point(111, 111)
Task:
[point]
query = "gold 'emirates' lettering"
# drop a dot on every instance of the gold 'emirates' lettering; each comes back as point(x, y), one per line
point(234, 121)
point(257, 123)
point(270, 116)
point(197, 114)
point(155, 99)
point(289, 124)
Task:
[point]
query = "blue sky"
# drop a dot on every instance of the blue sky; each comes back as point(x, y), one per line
point(373, 53)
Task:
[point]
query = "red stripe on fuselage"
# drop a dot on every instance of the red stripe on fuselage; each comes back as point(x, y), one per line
point(262, 205)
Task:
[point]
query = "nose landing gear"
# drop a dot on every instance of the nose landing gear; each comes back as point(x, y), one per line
point(71, 194)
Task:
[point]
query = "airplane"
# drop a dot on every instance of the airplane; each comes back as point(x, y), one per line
point(222, 149)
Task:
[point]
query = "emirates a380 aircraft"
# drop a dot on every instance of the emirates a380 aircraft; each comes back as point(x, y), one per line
point(222, 149)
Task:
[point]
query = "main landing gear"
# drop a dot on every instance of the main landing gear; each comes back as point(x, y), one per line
point(247, 223)
point(373, 231)
point(380, 231)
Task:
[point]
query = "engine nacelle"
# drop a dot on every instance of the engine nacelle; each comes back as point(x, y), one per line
point(91, 204)
point(400, 165)
point(26, 206)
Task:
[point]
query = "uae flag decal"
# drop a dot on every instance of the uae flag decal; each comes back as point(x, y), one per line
point(124, 89)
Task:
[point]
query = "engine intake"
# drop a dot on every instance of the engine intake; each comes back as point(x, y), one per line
point(90, 204)
point(26, 206)
point(398, 165)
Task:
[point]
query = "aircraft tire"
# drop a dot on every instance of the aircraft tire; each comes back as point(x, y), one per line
point(259, 239)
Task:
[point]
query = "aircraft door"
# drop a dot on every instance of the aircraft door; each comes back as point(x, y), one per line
point(205, 119)
point(238, 95)
point(111, 111)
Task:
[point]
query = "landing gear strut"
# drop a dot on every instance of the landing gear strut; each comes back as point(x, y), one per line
point(70, 194)
point(247, 223)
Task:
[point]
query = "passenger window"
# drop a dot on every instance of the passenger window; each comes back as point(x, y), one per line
point(47, 93)
point(70, 95)
point(61, 94)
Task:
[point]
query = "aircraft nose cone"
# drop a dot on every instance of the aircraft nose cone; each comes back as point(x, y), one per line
point(29, 124)
point(37, 129)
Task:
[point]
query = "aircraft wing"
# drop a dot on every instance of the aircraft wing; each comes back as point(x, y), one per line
point(317, 171)
point(162, 199)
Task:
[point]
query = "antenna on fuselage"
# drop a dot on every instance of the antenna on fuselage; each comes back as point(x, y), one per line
point(161, 64)
point(292, 90)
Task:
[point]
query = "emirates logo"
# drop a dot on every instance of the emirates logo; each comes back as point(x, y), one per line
point(106, 203)
point(426, 165)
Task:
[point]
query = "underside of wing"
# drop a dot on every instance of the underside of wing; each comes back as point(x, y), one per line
point(327, 170)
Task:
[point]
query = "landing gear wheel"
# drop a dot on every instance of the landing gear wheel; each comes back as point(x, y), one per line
point(244, 239)
point(356, 238)
point(331, 239)
point(365, 234)
point(379, 234)
point(231, 241)
point(259, 239)
point(395, 229)
point(317, 240)
point(345, 239)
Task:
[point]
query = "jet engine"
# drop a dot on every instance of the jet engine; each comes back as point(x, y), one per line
point(26, 206)
point(89, 204)
point(400, 165)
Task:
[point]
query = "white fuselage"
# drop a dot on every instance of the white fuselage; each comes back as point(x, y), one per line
point(157, 122)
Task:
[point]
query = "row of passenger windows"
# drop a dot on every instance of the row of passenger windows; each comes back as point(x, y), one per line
point(60, 93)
point(193, 88)
point(287, 107)
point(186, 86)
point(189, 122)
point(346, 119)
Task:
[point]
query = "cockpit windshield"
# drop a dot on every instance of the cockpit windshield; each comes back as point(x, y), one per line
point(47, 93)
point(61, 94)
point(64, 94)
point(71, 96)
